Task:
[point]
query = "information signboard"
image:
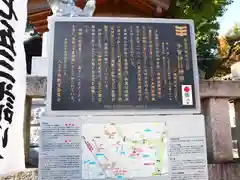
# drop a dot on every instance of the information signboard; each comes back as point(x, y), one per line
point(123, 147)
point(125, 64)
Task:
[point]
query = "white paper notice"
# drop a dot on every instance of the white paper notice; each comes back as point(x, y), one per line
point(187, 148)
point(187, 158)
point(60, 148)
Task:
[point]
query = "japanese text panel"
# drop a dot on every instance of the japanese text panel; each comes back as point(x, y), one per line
point(99, 65)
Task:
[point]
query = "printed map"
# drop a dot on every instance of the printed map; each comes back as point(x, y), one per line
point(124, 150)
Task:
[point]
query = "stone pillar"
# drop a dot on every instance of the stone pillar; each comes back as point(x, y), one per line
point(235, 71)
point(26, 128)
point(218, 129)
point(44, 45)
point(237, 119)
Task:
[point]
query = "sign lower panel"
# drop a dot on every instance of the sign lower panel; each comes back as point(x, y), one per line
point(123, 147)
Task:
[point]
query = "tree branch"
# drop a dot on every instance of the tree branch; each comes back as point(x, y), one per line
point(231, 50)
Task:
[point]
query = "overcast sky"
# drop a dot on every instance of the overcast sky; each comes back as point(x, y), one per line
point(231, 17)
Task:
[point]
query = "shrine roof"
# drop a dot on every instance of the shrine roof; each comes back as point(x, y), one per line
point(39, 10)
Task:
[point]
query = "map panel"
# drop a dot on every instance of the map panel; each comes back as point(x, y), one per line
point(124, 150)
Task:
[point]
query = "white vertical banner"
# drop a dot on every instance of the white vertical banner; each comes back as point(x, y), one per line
point(13, 17)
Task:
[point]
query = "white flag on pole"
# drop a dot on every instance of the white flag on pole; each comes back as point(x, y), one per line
point(13, 17)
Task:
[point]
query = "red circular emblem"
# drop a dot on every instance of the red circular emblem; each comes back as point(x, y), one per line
point(186, 89)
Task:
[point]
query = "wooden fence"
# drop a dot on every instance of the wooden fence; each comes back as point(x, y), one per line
point(222, 139)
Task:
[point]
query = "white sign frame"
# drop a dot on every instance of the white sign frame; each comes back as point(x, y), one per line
point(50, 45)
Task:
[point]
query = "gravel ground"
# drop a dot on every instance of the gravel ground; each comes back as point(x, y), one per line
point(29, 174)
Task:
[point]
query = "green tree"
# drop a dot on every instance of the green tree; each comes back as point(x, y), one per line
point(205, 14)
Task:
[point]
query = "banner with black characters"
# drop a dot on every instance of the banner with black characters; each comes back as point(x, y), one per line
point(13, 16)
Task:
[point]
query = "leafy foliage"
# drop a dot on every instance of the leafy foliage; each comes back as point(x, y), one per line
point(229, 48)
point(205, 14)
